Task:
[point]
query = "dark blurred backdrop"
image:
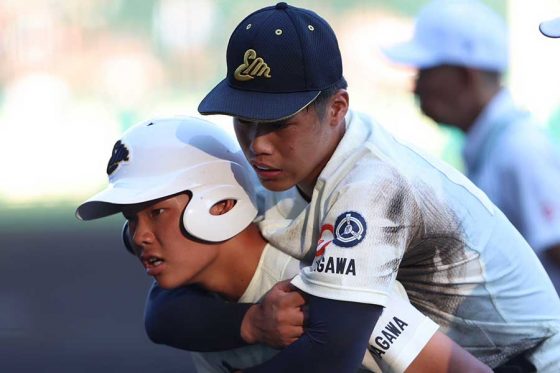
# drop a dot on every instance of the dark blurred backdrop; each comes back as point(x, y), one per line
point(72, 298)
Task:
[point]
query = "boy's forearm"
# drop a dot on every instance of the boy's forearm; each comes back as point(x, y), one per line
point(333, 341)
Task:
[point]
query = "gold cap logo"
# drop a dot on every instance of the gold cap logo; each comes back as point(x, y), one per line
point(252, 66)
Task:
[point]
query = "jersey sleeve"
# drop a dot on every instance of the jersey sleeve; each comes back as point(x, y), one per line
point(399, 335)
point(363, 235)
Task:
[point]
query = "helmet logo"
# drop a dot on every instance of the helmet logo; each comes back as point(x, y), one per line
point(120, 154)
point(252, 66)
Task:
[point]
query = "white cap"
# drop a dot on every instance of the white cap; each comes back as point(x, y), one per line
point(161, 157)
point(455, 32)
point(551, 28)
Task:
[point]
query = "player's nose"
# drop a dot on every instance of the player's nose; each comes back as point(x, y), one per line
point(142, 235)
point(261, 140)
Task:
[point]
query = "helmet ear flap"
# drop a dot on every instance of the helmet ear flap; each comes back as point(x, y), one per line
point(127, 240)
point(199, 222)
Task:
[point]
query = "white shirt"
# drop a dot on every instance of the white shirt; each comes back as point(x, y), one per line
point(399, 335)
point(382, 210)
point(511, 159)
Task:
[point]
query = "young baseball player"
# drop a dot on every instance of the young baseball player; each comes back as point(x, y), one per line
point(187, 194)
point(362, 209)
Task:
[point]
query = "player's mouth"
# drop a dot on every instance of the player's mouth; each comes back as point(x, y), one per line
point(154, 265)
point(265, 171)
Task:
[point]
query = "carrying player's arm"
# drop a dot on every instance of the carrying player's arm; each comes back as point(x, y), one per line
point(328, 345)
point(280, 320)
point(173, 318)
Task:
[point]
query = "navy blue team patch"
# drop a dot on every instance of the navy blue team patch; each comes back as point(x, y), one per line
point(350, 229)
point(119, 154)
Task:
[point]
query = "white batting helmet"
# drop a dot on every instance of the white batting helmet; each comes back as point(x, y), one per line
point(162, 157)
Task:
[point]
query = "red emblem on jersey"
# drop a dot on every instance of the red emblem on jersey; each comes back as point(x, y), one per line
point(327, 235)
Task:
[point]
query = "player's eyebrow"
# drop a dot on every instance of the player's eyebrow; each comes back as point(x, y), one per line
point(280, 123)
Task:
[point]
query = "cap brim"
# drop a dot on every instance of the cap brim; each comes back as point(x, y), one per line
point(551, 28)
point(251, 105)
point(127, 192)
point(411, 54)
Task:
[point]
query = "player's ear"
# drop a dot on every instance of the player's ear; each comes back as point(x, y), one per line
point(127, 239)
point(222, 207)
point(338, 107)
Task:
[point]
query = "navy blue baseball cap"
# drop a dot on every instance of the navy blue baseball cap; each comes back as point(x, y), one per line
point(279, 59)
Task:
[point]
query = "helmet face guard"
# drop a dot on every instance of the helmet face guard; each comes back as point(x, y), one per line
point(159, 158)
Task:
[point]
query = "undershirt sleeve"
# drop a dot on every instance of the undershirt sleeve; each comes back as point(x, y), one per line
point(334, 339)
point(193, 319)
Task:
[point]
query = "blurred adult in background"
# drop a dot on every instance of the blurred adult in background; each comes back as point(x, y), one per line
point(460, 48)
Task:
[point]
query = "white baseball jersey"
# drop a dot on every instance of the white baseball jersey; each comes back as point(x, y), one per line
point(382, 210)
point(511, 159)
point(398, 337)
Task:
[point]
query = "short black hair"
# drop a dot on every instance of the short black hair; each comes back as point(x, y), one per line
point(320, 103)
